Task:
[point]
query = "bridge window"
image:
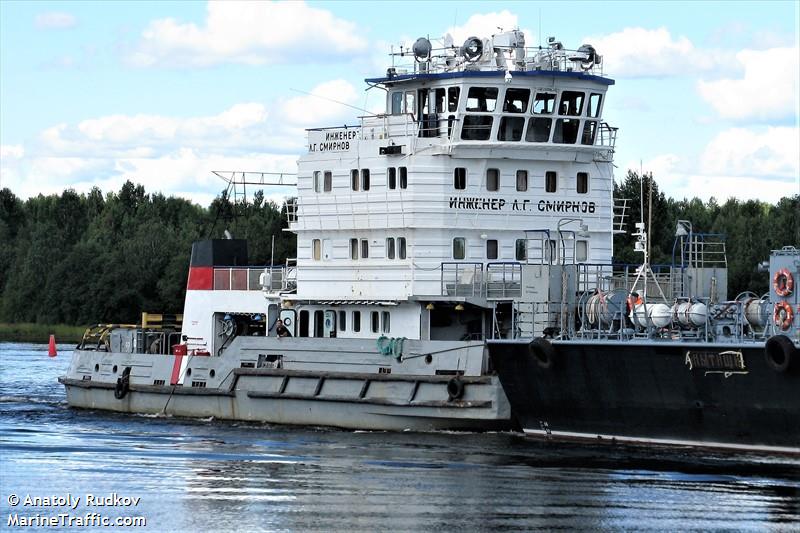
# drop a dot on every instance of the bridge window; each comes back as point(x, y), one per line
point(410, 107)
point(403, 171)
point(510, 129)
point(521, 250)
point(390, 248)
point(317, 181)
point(476, 128)
point(492, 179)
point(440, 96)
point(491, 249)
point(316, 249)
point(452, 99)
point(354, 179)
point(364, 179)
point(581, 251)
point(522, 180)
point(375, 322)
point(364, 248)
point(353, 248)
point(539, 130)
point(571, 103)
point(544, 104)
point(459, 248)
point(550, 181)
point(303, 324)
point(482, 99)
point(397, 103)
point(392, 177)
point(583, 182)
point(516, 100)
point(342, 320)
point(328, 181)
point(589, 130)
point(401, 247)
point(460, 178)
point(386, 325)
point(356, 321)
point(319, 324)
point(566, 131)
point(594, 105)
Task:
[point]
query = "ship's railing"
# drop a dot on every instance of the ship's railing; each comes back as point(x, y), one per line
point(503, 280)
point(385, 126)
point(462, 279)
point(609, 277)
point(606, 136)
point(621, 206)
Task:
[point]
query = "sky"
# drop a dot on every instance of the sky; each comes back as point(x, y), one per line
point(163, 93)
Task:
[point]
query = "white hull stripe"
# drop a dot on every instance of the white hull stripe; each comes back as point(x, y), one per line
point(665, 442)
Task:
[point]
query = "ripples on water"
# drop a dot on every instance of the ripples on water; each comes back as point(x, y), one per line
point(195, 475)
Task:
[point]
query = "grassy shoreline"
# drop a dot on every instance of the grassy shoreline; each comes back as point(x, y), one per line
point(40, 333)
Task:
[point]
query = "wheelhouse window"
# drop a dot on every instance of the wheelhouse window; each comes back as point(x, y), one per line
point(409, 102)
point(364, 179)
point(482, 99)
point(316, 249)
point(476, 128)
point(566, 131)
point(544, 104)
point(492, 179)
point(390, 248)
point(582, 184)
point(522, 180)
point(356, 321)
point(328, 181)
point(375, 322)
point(403, 172)
point(521, 250)
point(459, 248)
point(516, 100)
point(354, 179)
point(595, 100)
point(550, 181)
point(353, 248)
point(491, 249)
point(589, 131)
point(440, 98)
point(539, 130)
point(385, 323)
point(401, 247)
point(391, 177)
point(342, 320)
point(571, 103)
point(510, 129)
point(452, 99)
point(460, 178)
point(364, 248)
point(397, 103)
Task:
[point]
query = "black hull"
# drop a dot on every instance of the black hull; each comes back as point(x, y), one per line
point(646, 392)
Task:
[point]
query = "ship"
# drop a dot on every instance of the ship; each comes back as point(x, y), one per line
point(413, 238)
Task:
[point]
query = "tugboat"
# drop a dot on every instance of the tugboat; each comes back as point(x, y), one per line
point(413, 251)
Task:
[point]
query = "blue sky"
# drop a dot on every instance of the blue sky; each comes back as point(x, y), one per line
point(94, 93)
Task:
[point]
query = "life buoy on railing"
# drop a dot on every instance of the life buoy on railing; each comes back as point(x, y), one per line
point(783, 282)
point(783, 315)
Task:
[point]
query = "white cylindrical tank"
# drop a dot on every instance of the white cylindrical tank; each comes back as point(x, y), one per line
point(697, 314)
point(639, 315)
point(660, 315)
point(681, 312)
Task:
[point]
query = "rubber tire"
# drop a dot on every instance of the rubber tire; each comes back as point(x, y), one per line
point(123, 384)
point(543, 352)
point(780, 353)
point(455, 389)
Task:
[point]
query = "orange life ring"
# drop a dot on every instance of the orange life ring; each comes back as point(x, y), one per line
point(784, 322)
point(783, 282)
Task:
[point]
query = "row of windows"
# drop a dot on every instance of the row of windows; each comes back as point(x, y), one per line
point(484, 100)
point(380, 322)
point(493, 180)
point(321, 249)
point(539, 130)
point(520, 249)
point(396, 177)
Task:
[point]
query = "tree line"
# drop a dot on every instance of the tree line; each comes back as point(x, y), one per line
point(87, 258)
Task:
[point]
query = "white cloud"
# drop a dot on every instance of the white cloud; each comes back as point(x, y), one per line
point(768, 90)
point(484, 25)
point(253, 33)
point(174, 155)
point(54, 20)
point(645, 53)
point(762, 164)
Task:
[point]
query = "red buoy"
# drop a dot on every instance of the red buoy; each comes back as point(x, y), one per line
point(51, 349)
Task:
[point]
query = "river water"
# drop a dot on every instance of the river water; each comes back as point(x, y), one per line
point(210, 475)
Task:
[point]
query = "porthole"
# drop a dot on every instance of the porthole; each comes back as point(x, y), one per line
point(97, 368)
point(114, 369)
point(188, 371)
point(212, 373)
